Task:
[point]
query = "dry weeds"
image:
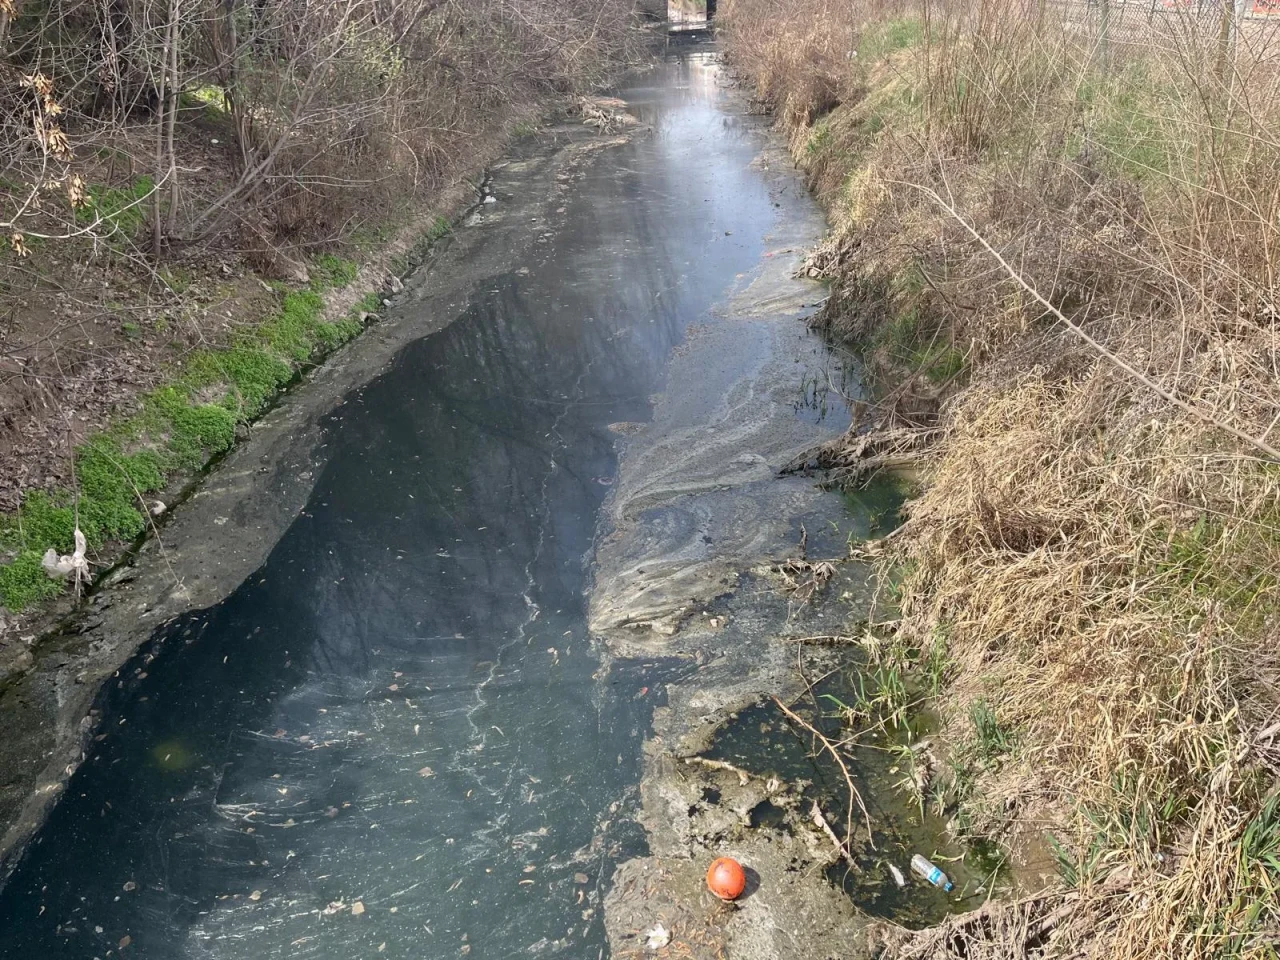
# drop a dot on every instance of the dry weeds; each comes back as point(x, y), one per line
point(1060, 258)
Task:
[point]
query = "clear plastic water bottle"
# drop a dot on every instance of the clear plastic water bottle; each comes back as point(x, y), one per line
point(931, 873)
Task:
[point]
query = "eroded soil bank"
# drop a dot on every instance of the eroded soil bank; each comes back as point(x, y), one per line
point(427, 667)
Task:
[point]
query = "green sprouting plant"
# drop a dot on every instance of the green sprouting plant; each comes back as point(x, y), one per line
point(329, 272)
point(1259, 847)
point(1073, 868)
point(292, 332)
point(881, 39)
point(440, 228)
point(121, 210)
point(24, 582)
point(819, 138)
point(912, 782)
point(993, 741)
point(880, 692)
point(936, 664)
point(892, 697)
point(212, 99)
point(1258, 866)
point(953, 787)
point(942, 363)
point(178, 279)
point(178, 428)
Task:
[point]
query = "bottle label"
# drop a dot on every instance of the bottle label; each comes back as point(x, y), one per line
point(935, 876)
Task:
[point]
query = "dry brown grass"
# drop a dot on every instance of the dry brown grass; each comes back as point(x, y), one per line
point(1097, 537)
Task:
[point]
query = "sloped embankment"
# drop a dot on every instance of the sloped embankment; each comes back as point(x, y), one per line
point(1060, 264)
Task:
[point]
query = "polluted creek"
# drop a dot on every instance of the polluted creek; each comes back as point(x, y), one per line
point(440, 718)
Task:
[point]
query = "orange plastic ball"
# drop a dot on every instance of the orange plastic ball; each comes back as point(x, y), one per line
point(727, 879)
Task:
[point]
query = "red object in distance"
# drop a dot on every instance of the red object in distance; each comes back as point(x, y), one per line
point(726, 878)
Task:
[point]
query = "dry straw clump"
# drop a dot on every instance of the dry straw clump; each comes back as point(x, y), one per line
point(1056, 241)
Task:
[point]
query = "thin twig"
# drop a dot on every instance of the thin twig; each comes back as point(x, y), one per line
point(854, 795)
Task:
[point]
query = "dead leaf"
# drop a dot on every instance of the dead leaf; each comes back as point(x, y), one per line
point(426, 772)
point(581, 878)
point(357, 908)
point(256, 896)
point(124, 941)
point(130, 886)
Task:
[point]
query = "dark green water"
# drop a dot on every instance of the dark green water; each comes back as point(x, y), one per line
point(762, 740)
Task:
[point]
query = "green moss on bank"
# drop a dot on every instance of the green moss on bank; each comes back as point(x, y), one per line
point(179, 427)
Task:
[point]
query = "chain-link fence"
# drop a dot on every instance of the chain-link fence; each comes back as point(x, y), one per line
point(1250, 27)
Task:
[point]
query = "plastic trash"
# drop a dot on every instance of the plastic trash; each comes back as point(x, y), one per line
point(931, 873)
point(658, 937)
point(898, 878)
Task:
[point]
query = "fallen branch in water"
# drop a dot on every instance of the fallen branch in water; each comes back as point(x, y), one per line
point(822, 640)
point(819, 572)
point(997, 929)
point(861, 451)
point(743, 775)
point(821, 823)
point(854, 795)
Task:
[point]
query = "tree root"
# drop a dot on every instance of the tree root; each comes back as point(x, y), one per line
point(858, 454)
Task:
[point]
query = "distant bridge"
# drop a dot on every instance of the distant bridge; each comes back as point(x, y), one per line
point(677, 9)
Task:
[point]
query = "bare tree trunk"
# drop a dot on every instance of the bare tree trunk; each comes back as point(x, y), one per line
point(172, 120)
point(157, 218)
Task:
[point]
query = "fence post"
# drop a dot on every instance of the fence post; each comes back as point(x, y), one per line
point(1104, 34)
point(1233, 12)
